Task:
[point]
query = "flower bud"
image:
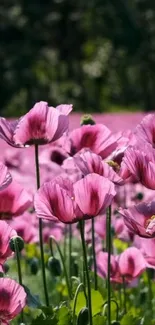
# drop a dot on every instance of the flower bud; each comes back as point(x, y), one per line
point(87, 119)
point(16, 240)
point(139, 196)
point(54, 266)
point(6, 268)
point(83, 316)
point(34, 265)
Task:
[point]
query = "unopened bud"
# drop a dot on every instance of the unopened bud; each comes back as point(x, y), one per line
point(16, 240)
point(54, 266)
point(83, 316)
point(87, 120)
point(34, 265)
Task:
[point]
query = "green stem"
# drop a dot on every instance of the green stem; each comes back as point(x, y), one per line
point(70, 251)
point(124, 294)
point(150, 295)
point(40, 230)
point(65, 241)
point(64, 265)
point(105, 305)
point(75, 301)
point(86, 270)
point(19, 272)
point(109, 262)
point(94, 254)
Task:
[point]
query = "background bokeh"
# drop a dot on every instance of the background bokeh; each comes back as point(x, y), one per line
point(98, 55)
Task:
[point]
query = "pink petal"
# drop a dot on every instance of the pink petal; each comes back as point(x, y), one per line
point(93, 194)
point(131, 262)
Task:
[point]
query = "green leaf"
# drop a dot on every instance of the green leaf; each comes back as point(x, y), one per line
point(32, 300)
point(97, 302)
point(48, 311)
point(41, 321)
point(99, 320)
point(129, 319)
point(64, 316)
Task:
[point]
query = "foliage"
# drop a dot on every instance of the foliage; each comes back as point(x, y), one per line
point(94, 54)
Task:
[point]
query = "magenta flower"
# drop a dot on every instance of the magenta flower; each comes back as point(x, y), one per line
point(141, 165)
point(61, 199)
point(5, 177)
point(89, 162)
point(7, 131)
point(146, 130)
point(147, 247)
point(41, 125)
point(26, 230)
point(97, 138)
point(140, 219)
point(12, 299)
point(14, 200)
point(102, 267)
point(6, 232)
point(131, 263)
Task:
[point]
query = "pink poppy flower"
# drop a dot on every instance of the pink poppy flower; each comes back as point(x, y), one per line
point(14, 200)
point(12, 299)
point(61, 199)
point(89, 162)
point(131, 263)
point(5, 177)
point(141, 165)
point(97, 138)
point(146, 129)
point(25, 230)
point(41, 125)
point(7, 131)
point(102, 267)
point(140, 219)
point(122, 231)
point(6, 233)
point(147, 247)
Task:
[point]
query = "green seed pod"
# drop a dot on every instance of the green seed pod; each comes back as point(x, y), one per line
point(54, 266)
point(16, 240)
point(115, 322)
point(6, 268)
point(83, 316)
point(87, 120)
point(139, 196)
point(34, 265)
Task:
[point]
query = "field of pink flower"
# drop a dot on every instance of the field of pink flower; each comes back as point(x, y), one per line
point(77, 218)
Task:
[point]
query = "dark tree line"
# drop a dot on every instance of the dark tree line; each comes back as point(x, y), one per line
point(95, 54)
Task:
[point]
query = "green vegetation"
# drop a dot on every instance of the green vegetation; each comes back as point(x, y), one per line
point(95, 54)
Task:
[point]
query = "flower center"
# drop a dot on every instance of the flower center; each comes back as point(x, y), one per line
point(114, 165)
point(147, 222)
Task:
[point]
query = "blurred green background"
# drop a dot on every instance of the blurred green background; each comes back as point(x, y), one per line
point(97, 54)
